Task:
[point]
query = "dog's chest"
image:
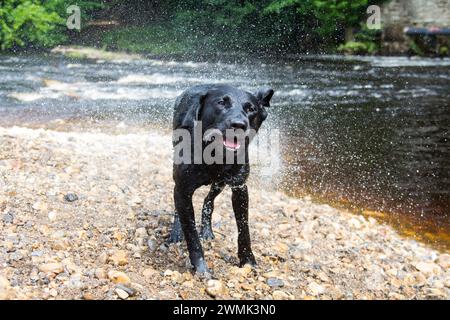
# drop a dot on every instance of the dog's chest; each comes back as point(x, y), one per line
point(232, 175)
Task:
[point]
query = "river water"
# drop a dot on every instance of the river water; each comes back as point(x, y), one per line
point(370, 134)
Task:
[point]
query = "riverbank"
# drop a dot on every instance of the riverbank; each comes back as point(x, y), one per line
point(85, 215)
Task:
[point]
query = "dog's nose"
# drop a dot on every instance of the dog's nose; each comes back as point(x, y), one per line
point(239, 125)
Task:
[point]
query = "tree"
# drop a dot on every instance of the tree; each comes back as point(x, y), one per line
point(34, 23)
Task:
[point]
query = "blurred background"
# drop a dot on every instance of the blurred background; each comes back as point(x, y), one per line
point(191, 27)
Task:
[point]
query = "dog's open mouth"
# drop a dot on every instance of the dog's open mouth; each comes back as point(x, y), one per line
point(231, 143)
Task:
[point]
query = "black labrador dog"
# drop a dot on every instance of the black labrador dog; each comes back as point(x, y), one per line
point(219, 109)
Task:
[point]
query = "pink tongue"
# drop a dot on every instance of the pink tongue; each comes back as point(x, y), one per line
point(231, 144)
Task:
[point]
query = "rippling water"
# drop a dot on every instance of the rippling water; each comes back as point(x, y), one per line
point(369, 133)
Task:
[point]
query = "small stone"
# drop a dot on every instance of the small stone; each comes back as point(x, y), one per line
point(280, 295)
point(103, 258)
point(52, 215)
point(149, 273)
point(118, 277)
point(177, 277)
point(8, 218)
point(75, 282)
point(281, 248)
point(115, 189)
point(322, 276)
point(88, 296)
point(242, 272)
point(434, 292)
point(151, 245)
point(71, 197)
point(53, 293)
point(100, 273)
point(121, 293)
point(188, 284)
point(236, 295)
point(427, 268)
point(415, 279)
point(5, 289)
point(444, 261)
point(61, 244)
point(447, 282)
point(118, 235)
point(71, 267)
point(119, 258)
point(275, 282)
point(438, 284)
point(184, 295)
point(215, 288)
point(135, 200)
point(168, 273)
point(53, 267)
point(354, 223)
point(140, 233)
point(392, 272)
point(130, 291)
point(40, 206)
point(372, 221)
point(315, 288)
point(247, 287)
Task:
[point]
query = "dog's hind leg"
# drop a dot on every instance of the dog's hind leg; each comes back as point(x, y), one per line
point(240, 207)
point(206, 232)
point(176, 234)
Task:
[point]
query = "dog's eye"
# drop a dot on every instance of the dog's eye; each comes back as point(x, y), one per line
point(249, 108)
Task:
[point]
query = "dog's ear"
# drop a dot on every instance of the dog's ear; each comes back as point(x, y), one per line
point(264, 95)
point(194, 112)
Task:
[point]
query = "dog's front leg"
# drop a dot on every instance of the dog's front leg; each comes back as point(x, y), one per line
point(185, 210)
point(206, 232)
point(240, 207)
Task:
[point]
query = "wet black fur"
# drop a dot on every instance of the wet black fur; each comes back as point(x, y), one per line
point(221, 107)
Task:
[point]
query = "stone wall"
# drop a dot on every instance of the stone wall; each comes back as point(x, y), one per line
point(398, 14)
point(420, 13)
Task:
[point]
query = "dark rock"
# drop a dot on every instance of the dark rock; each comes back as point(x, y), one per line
point(71, 197)
point(131, 291)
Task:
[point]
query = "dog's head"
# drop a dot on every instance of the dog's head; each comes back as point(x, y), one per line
point(224, 108)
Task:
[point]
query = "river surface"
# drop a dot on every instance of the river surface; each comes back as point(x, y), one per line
point(370, 134)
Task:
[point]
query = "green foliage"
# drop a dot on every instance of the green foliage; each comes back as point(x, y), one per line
point(189, 25)
point(267, 25)
point(24, 21)
point(365, 42)
point(415, 48)
point(356, 47)
point(34, 23)
point(444, 51)
point(331, 15)
point(151, 39)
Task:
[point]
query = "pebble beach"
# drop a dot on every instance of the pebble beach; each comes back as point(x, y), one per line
point(86, 215)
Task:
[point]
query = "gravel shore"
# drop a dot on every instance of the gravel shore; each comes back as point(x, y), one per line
point(85, 215)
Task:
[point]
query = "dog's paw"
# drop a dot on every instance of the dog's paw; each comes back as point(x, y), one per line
point(250, 260)
point(201, 270)
point(207, 234)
